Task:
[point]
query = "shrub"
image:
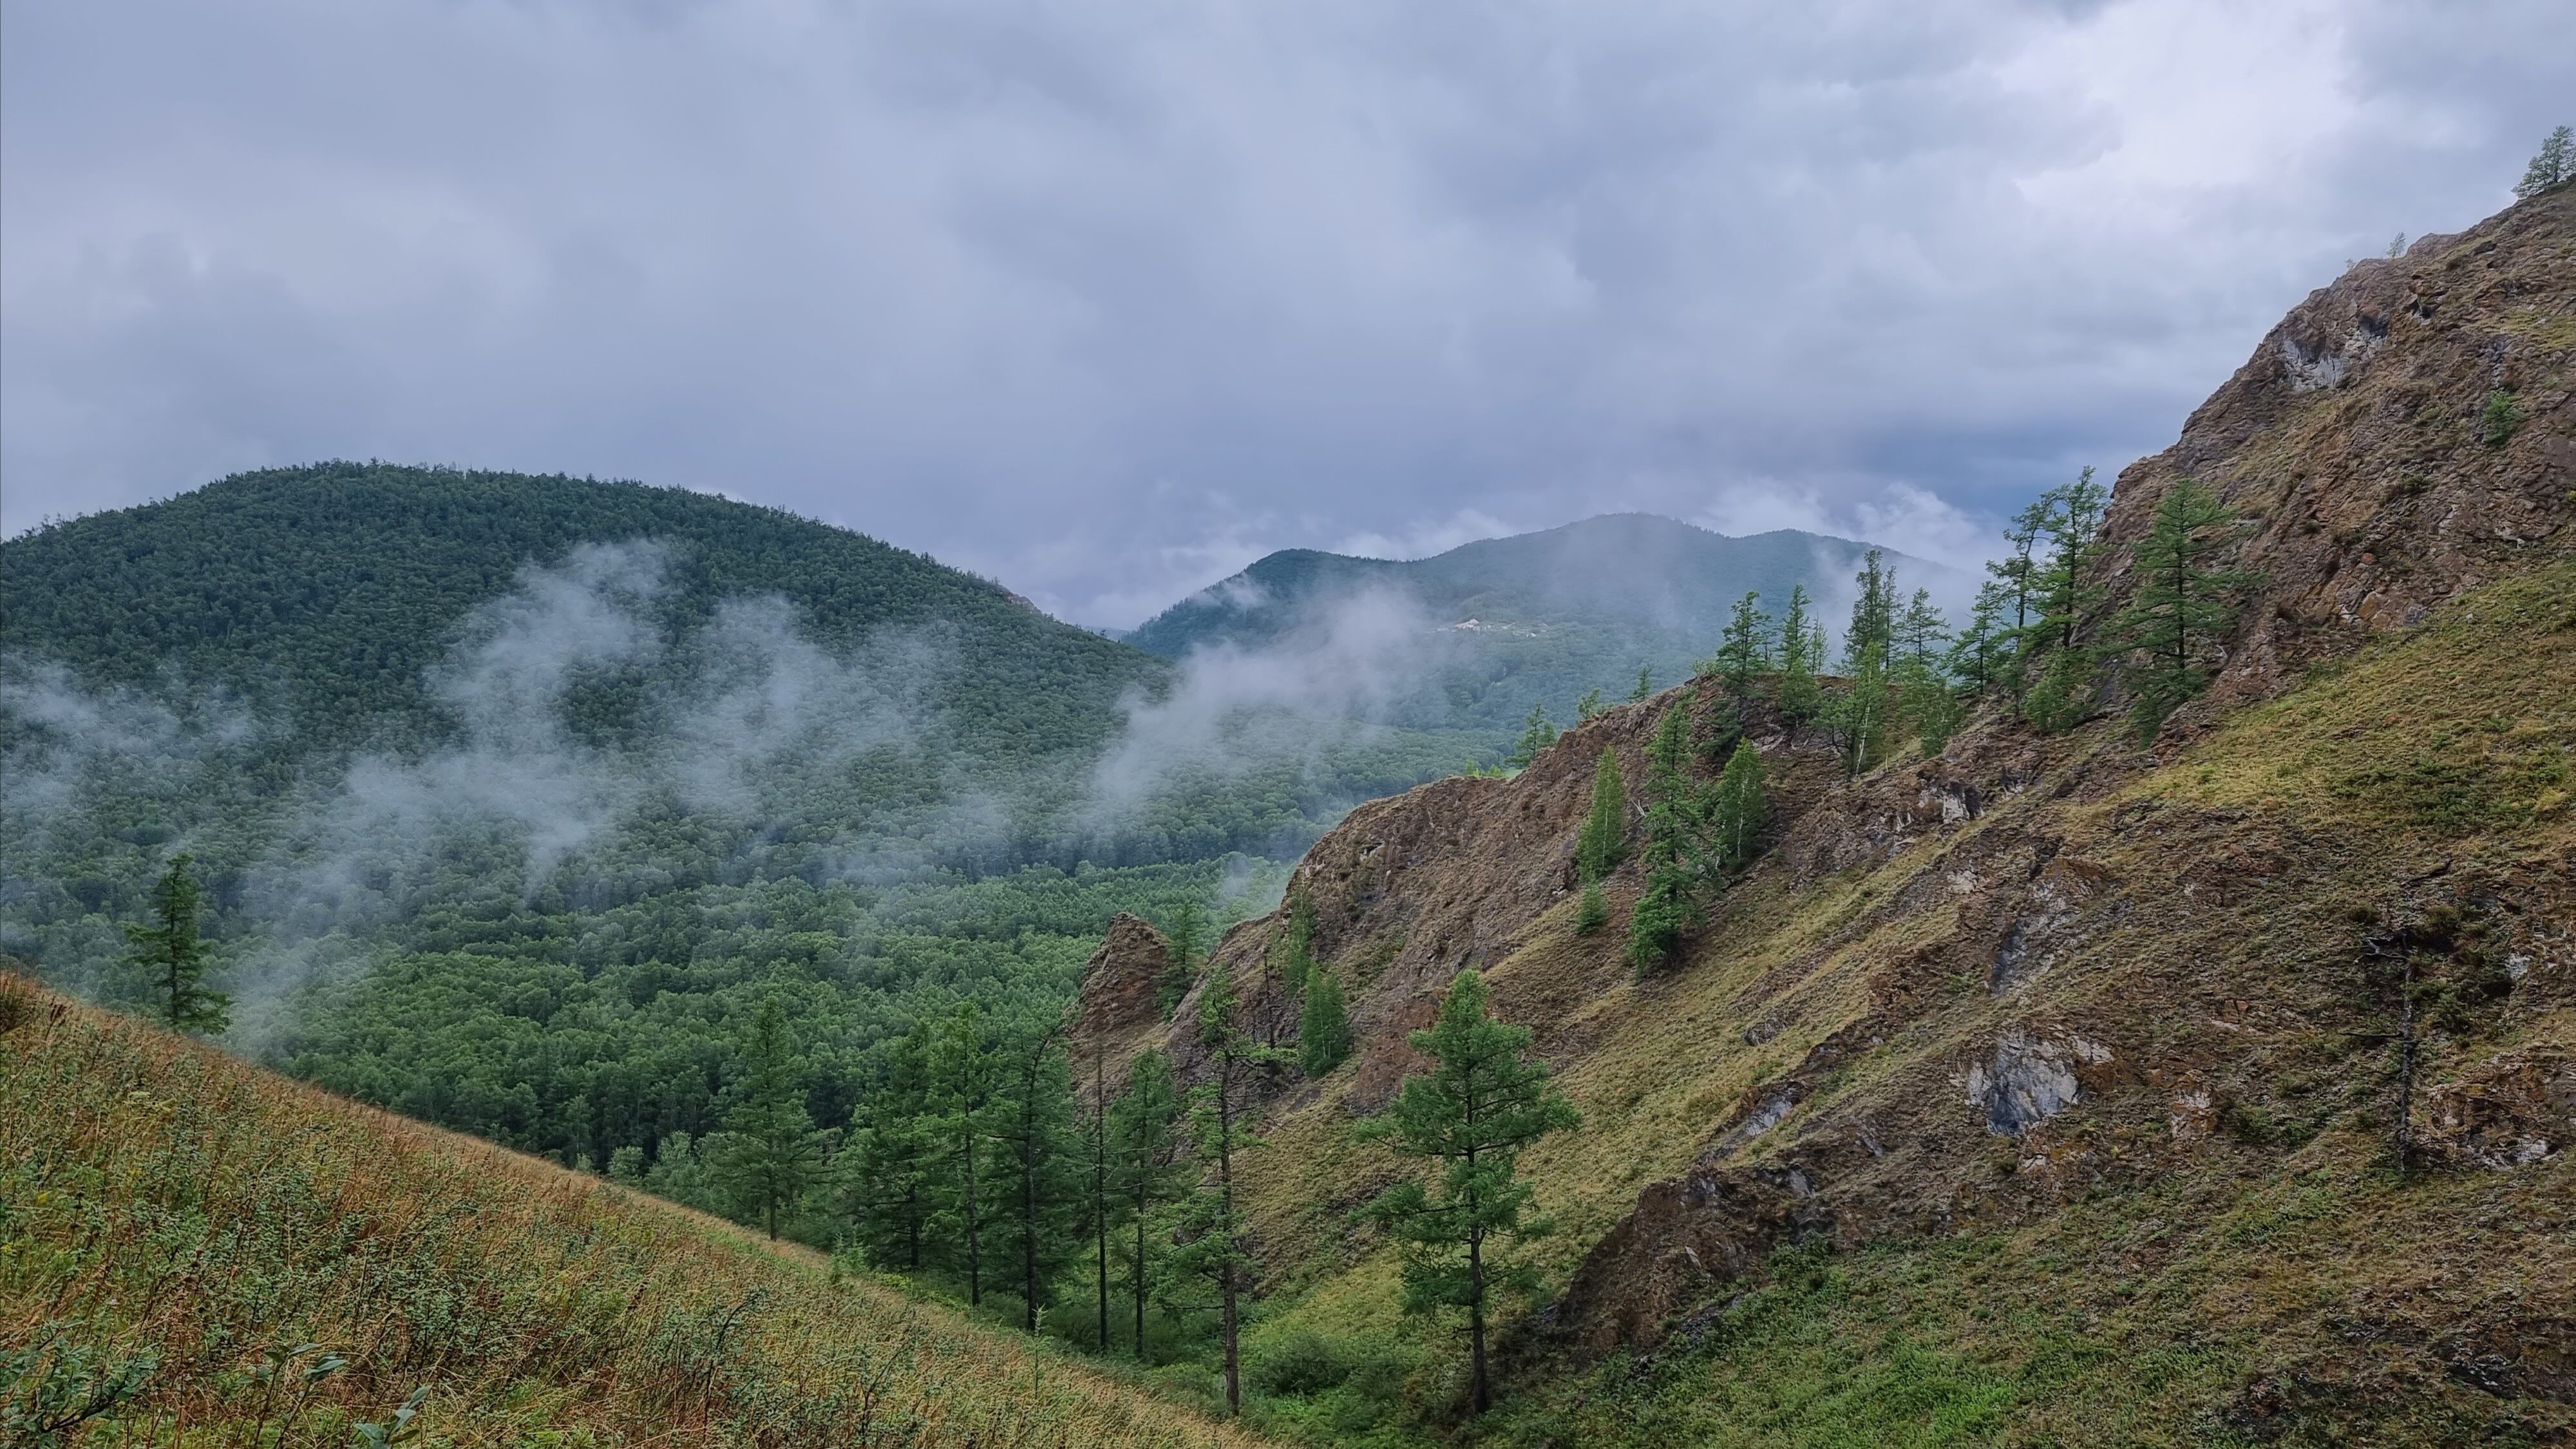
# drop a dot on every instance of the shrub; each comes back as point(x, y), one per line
point(2499, 418)
point(1593, 910)
point(1299, 1362)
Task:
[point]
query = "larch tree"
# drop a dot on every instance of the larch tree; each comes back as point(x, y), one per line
point(770, 1149)
point(171, 954)
point(965, 1076)
point(1860, 714)
point(2184, 602)
point(1146, 1173)
point(1980, 652)
point(1185, 931)
point(1323, 1024)
point(1537, 733)
point(1470, 1117)
point(1210, 1236)
point(1033, 1126)
point(1739, 810)
point(1602, 842)
point(1801, 655)
point(1292, 952)
point(2065, 586)
point(1744, 649)
point(2016, 584)
point(889, 1165)
point(1921, 672)
point(1670, 853)
point(2554, 166)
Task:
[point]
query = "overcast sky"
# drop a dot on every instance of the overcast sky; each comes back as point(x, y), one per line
point(1107, 299)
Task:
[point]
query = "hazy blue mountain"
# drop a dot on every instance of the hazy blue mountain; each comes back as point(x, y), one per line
point(1474, 636)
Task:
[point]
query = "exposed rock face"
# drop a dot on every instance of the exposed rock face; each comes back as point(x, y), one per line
point(1116, 1014)
point(1709, 1228)
point(2027, 1081)
point(1410, 890)
point(2357, 440)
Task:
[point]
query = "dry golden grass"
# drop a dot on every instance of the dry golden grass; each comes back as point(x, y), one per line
point(208, 1254)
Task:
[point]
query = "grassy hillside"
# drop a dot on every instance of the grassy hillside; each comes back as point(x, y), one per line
point(2056, 1085)
point(1487, 629)
point(193, 1251)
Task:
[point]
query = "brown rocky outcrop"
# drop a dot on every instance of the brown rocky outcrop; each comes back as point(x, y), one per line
point(1116, 1014)
point(2357, 442)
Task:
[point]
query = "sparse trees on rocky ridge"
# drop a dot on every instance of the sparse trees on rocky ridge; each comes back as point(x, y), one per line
point(2183, 600)
point(2555, 165)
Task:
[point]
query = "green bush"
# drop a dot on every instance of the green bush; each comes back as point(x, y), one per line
point(1298, 1362)
point(2498, 420)
point(1593, 910)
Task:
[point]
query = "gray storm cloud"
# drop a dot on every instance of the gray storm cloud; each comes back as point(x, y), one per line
point(1105, 301)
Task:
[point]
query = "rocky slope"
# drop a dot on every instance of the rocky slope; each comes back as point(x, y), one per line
point(2220, 1088)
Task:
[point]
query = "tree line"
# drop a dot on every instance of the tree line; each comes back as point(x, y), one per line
point(2038, 642)
point(974, 1161)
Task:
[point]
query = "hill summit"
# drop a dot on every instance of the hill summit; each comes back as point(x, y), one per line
point(1496, 626)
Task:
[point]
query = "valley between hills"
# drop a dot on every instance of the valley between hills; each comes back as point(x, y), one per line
point(665, 972)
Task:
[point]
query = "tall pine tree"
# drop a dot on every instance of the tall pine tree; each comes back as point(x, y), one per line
point(1744, 649)
point(1603, 841)
point(2184, 602)
point(1210, 1239)
point(1470, 1118)
point(770, 1150)
point(1146, 1170)
point(170, 954)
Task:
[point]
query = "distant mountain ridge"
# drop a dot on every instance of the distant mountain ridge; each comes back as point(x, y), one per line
point(1537, 617)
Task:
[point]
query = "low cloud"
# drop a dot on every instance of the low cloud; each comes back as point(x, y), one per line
point(1105, 302)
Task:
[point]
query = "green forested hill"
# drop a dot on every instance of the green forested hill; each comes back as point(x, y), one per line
point(332, 590)
point(511, 795)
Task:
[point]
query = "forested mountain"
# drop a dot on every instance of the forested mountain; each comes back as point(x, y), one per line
point(1477, 635)
point(509, 796)
point(334, 591)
